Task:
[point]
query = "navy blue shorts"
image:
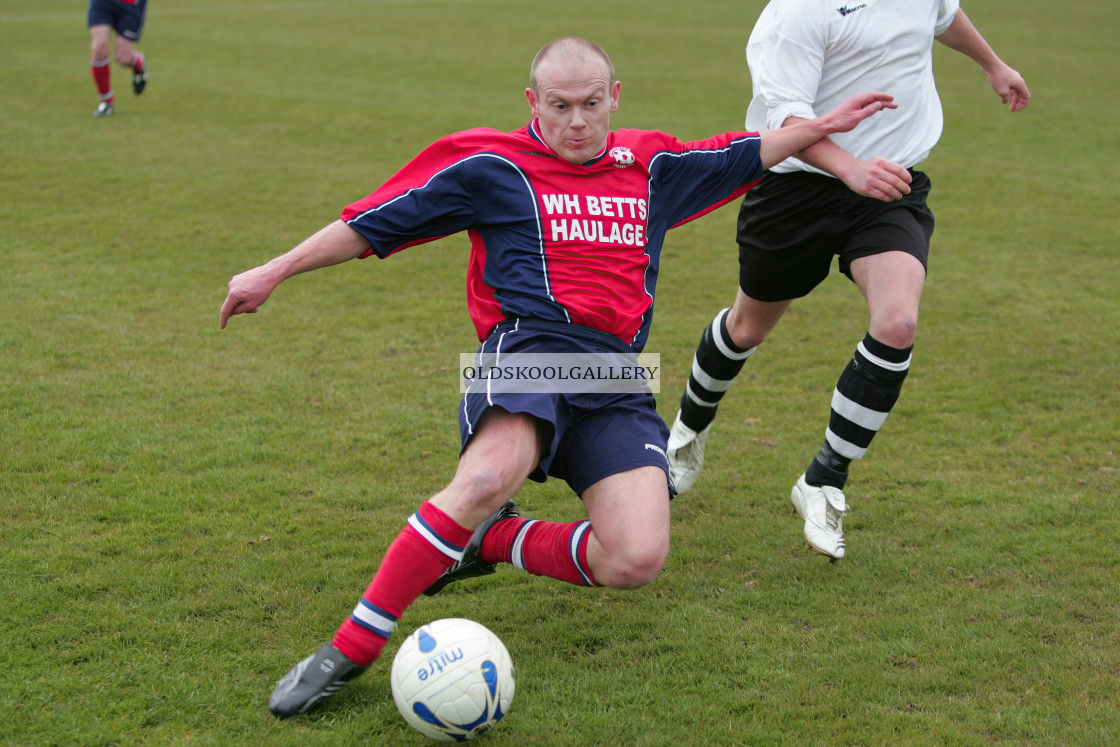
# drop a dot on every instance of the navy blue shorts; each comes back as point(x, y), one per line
point(593, 435)
point(792, 225)
point(126, 19)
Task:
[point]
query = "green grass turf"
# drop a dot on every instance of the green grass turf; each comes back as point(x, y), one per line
point(185, 512)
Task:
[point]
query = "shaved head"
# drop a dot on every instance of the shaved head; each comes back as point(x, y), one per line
point(570, 52)
point(572, 94)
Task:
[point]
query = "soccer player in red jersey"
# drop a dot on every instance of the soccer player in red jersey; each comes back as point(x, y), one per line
point(566, 220)
point(126, 19)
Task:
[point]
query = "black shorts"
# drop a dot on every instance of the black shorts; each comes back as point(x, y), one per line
point(127, 19)
point(791, 226)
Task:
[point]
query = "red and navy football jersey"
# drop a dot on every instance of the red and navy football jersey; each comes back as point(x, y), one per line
point(553, 240)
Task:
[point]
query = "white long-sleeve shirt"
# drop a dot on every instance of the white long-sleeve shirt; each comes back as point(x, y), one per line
point(806, 56)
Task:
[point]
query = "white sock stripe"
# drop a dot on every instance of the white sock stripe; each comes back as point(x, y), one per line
point(842, 447)
point(694, 399)
point(726, 351)
point(379, 621)
point(882, 362)
point(851, 410)
point(708, 382)
point(517, 559)
point(573, 548)
point(452, 551)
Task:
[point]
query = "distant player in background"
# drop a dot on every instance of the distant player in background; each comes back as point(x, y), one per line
point(566, 220)
point(125, 18)
point(855, 196)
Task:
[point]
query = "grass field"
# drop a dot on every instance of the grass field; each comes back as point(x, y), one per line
point(185, 512)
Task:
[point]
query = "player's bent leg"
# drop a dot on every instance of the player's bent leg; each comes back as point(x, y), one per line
point(891, 283)
point(123, 52)
point(629, 514)
point(724, 348)
point(127, 55)
point(865, 393)
point(498, 459)
point(100, 36)
point(501, 454)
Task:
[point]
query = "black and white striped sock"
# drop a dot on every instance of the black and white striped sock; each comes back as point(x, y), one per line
point(715, 365)
point(864, 396)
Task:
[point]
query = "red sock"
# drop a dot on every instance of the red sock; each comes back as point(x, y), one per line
point(100, 70)
point(543, 548)
point(425, 548)
point(137, 61)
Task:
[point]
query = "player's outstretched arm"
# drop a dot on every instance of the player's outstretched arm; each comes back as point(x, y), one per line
point(332, 245)
point(780, 144)
point(1008, 84)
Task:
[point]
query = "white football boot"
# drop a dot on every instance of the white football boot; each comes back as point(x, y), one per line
point(823, 509)
point(685, 454)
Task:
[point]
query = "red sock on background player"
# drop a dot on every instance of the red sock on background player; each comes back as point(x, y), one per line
point(101, 75)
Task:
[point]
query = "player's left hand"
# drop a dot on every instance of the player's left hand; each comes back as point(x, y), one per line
point(1010, 87)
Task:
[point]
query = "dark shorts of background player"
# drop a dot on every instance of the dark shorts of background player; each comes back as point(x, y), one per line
point(791, 226)
point(593, 436)
point(127, 20)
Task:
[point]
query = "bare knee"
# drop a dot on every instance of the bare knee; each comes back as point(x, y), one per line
point(629, 513)
point(749, 321)
point(475, 493)
point(99, 37)
point(123, 56)
point(898, 330)
point(631, 568)
point(743, 331)
point(480, 486)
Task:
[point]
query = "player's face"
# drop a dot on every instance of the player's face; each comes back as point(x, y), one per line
point(573, 106)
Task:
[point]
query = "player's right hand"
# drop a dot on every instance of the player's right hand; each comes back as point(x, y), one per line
point(247, 292)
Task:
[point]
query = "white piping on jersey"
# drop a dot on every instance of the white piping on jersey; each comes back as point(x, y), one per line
point(533, 200)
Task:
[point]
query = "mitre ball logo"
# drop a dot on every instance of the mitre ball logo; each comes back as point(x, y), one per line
point(623, 157)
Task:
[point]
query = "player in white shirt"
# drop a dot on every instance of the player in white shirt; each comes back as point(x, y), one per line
point(856, 196)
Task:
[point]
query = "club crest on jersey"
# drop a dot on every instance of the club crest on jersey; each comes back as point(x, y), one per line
point(622, 156)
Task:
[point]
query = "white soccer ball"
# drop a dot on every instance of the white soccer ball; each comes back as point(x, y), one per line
point(452, 679)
